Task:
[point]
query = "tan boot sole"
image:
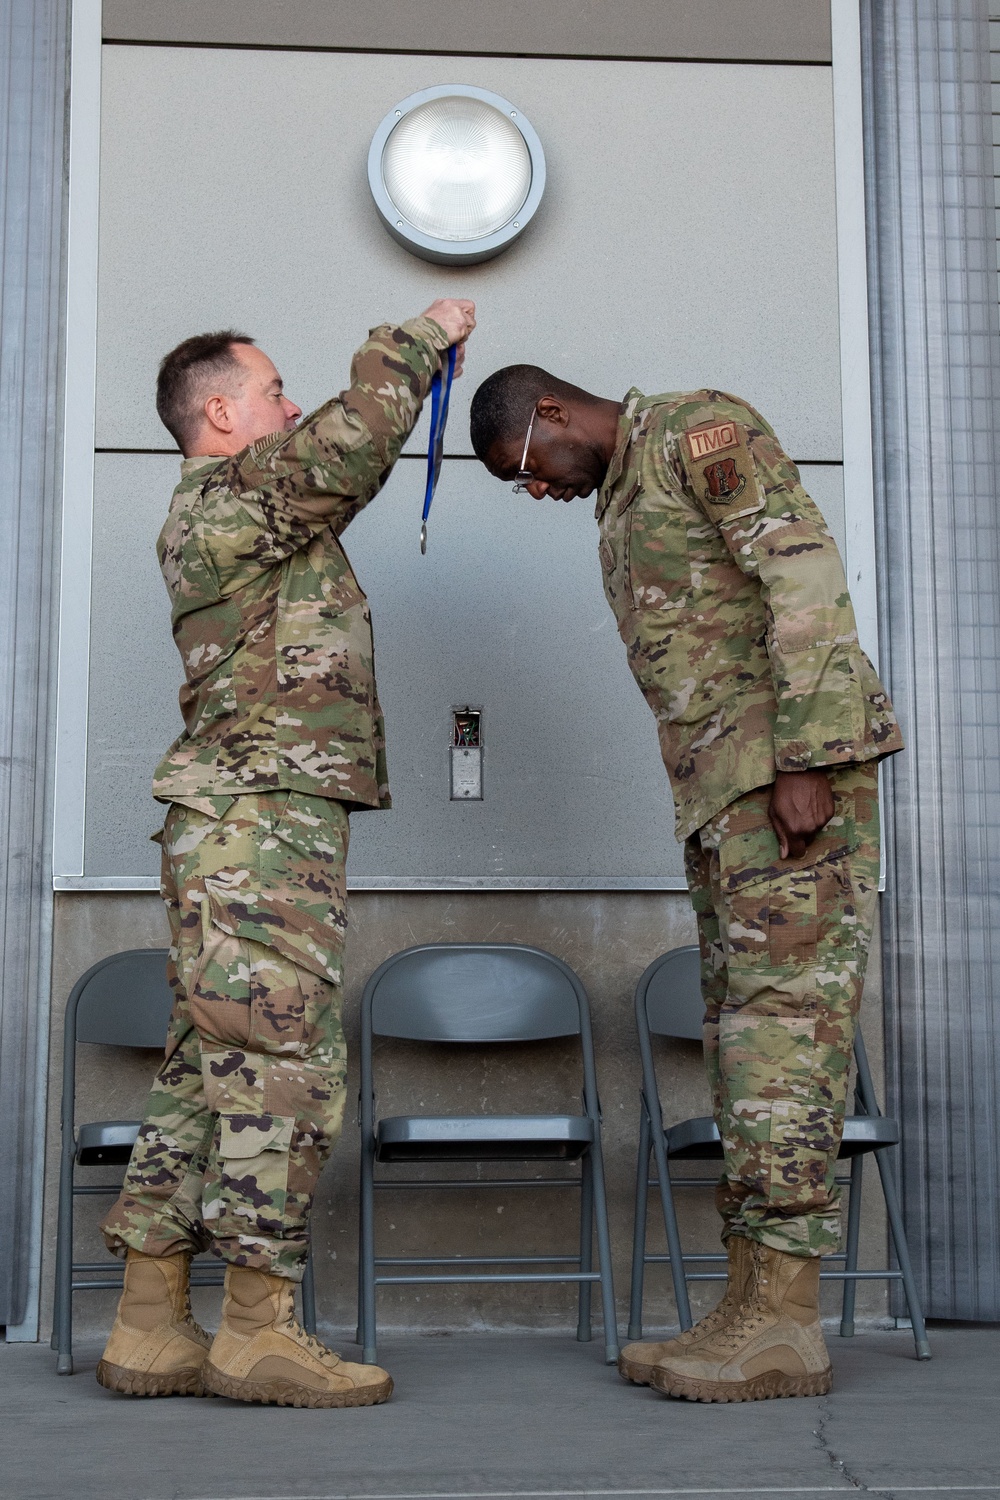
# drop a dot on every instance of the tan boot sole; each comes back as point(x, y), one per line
point(145, 1383)
point(767, 1387)
point(290, 1393)
point(637, 1372)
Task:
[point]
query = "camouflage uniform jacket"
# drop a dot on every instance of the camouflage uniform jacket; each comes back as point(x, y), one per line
point(731, 598)
point(272, 626)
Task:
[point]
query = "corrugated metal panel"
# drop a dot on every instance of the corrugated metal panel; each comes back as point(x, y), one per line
point(936, 380)
point(995, 102)
point(32, 109)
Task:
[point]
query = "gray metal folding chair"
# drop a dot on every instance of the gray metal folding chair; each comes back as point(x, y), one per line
point(123, 1001)
point(476, 994)
point(668, 1003)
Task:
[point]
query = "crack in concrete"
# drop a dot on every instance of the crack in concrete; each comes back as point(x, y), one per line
point(823, 1443)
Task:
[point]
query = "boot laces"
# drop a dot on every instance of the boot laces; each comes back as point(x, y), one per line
point(751, 1315)
point(309, 1341)
point(187, 1317)
point(718, 1317)
point(189, 1321)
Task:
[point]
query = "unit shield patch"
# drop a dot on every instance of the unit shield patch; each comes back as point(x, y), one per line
point(721, 469)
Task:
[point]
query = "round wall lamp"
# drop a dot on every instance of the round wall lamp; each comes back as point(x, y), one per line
point(456, 173)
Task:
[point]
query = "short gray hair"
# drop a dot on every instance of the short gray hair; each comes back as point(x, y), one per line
point(186, 375)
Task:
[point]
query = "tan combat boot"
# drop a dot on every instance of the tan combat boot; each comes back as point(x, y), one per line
point(156, 1348)
point(636, 1361)
point(774, 1347)
point(261, 1353)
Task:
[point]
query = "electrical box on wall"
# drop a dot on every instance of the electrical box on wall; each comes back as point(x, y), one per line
point(466, 752)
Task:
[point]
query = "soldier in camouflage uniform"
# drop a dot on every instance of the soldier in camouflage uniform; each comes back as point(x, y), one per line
point(283, 737)
point(731, 599)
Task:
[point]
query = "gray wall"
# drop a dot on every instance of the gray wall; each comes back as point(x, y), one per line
point(575, 789)
point(712, 183)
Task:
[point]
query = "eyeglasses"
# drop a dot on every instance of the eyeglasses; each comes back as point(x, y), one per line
point(524, 476)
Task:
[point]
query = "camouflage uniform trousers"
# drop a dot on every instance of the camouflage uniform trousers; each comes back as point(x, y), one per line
point(784, 946)
point(249, 1100)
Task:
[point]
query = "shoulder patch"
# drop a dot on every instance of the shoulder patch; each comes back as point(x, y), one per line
point(703, 442)
point(721, 470)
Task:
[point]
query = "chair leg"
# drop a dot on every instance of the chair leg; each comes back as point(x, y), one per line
point(923, 1348)
point(604, 1252)
point(670, 1225)
point(639, 1228)
point(309, 1296)
point(63, 1330)
point(366, 1269)
point(583, 1328)
point(853, 1239)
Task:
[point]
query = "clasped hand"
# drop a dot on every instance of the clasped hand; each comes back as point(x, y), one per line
point(801, 804)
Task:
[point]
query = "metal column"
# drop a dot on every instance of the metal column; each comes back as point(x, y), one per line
point(33, 75)
point(936, 381)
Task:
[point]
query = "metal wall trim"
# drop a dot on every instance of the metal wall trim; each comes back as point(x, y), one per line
point(79, 418)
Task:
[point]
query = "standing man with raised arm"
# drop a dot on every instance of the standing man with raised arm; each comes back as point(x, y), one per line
point(283, 738)
point(731, 599)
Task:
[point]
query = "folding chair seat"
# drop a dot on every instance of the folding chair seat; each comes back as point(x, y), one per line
point(123, 1001)
point(668, 1003)
point(473, 995)
point(459, 1138)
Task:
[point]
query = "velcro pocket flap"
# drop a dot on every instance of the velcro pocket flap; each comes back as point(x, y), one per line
point(244, 1136)
point(746, 858)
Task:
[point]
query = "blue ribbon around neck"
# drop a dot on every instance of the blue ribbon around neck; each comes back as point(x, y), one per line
point(435, 442)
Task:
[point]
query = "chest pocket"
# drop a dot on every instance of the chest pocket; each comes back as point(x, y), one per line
point(651, 550)
point(614, 552)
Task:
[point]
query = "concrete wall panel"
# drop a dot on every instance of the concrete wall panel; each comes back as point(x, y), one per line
point(609, 939)
point(686, 238)
point(506, 611)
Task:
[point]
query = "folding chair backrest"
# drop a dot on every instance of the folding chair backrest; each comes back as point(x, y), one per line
point(474, 992)
point(668, 996)
point(124, 1001)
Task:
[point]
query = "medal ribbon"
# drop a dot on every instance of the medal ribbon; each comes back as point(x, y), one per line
point(435, 442)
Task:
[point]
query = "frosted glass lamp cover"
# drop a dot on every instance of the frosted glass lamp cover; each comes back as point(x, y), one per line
point(456, 173)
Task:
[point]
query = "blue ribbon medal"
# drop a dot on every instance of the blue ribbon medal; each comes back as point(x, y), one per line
point(435, 443)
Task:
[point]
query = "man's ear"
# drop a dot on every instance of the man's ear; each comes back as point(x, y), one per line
point(218, 414)
point(552, 410)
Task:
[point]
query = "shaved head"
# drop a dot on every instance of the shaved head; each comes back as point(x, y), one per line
point(502, 406)
point(528, 422)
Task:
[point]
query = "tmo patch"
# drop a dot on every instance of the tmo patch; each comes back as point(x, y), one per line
point(704, 442)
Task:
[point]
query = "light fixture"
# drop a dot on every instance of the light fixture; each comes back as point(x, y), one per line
point(456, 173)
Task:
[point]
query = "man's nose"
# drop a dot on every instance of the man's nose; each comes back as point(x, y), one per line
point(538, 488)
point(292, 412)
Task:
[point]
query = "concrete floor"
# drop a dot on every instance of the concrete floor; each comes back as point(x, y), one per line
point(507, 1416)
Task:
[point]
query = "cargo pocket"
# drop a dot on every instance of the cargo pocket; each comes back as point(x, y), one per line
point(295, 899)
point(777, 909)
point(804, 1142)
point(253, 1166)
